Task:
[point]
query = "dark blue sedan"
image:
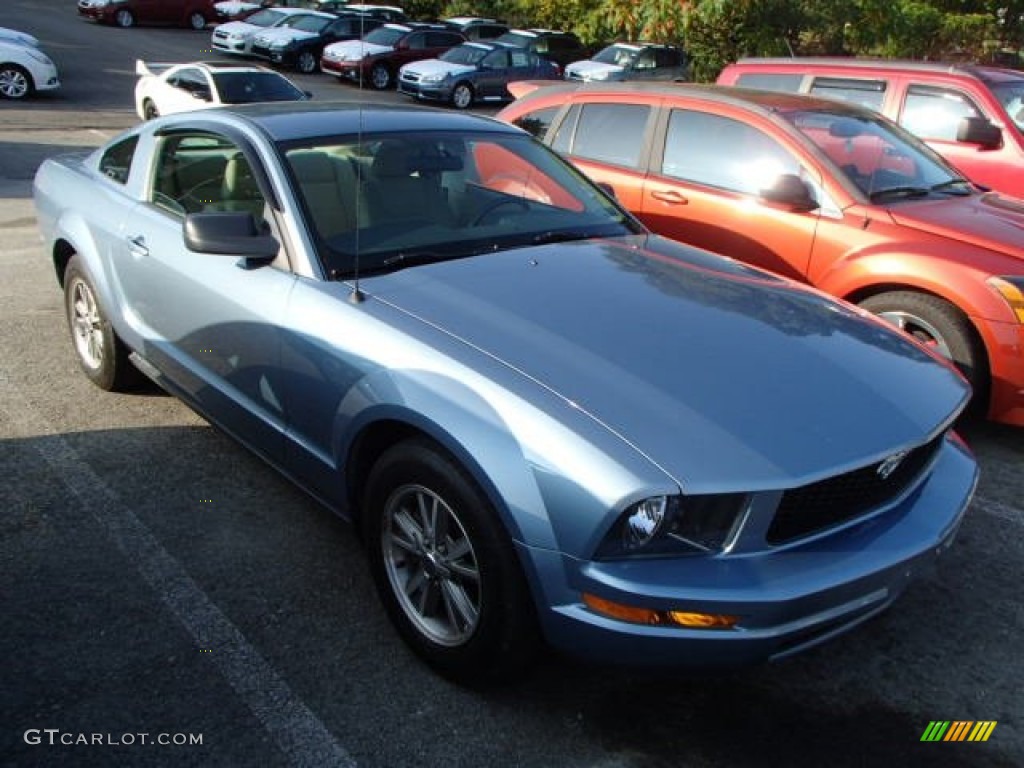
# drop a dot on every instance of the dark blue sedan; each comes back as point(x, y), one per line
point(474, 72)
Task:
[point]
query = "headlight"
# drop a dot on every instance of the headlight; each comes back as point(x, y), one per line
point(675, 525)
point(1012, 290)
point(433, 78)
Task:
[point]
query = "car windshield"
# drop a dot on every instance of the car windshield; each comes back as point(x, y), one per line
point(314, 24)
point(266, 18)
point(619, 55)
point(464, 54)
point(384, 36)
point(249, 87)
point(884, 161)
point(1011, 96)
point(391, 201)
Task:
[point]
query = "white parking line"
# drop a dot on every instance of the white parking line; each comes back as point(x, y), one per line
point(299, 733)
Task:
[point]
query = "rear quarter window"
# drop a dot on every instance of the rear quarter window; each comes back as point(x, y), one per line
point(611, 133)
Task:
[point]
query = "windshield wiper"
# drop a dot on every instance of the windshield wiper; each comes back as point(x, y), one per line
point(959, 187)
point(896, 192)
point(546, 238)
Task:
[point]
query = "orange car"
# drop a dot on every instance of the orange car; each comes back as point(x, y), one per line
point(820, 191)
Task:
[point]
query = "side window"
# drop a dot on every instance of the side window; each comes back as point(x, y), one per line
point(723, 153)
point(867, 93)
point(645, 60)
point(116, 162)
point(521, 58)
point(935, 113)
point(203, 172)
point(537, 122)
point(667, 57)
point(770, 81)
point(611, 133)
point(416, 41)
point(192, 81)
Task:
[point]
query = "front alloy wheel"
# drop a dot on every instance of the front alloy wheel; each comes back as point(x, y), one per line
point(197, 21)
point(306, 62)
point(380, 77)
point(445, 567)
point(15, 82)
point(462, 96)
point(124, 18)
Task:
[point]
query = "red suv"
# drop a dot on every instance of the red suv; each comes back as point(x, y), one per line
point(820, 191)
point(127, 13)
point(971, 115)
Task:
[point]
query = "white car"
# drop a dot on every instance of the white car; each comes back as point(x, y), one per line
point(236, 36)
point(163, 89)
point(24, 68)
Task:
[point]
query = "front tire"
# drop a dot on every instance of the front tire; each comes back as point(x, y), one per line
point(124, 18)
point(380, 77)
point(306, 62)
point(445, 567)
point(102, 356)
point(15, 82)
point(939, 325)
point(462, 96)
point(197, 21)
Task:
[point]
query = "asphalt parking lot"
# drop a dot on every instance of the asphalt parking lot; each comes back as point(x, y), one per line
point(169, 600)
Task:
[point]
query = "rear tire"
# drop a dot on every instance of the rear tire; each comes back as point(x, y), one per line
point(942, 327)
point(124, 18)
point(15, 82)
point(102, 356)
point(445, 567)
point(197, 21)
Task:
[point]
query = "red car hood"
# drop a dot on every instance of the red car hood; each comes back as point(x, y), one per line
point(991, 221)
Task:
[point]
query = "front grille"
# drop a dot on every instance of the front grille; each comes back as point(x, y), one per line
point(409, 77)
point(815, 507)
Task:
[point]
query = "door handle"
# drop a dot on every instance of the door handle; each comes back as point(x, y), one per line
point(669, 196)
point(137, 246)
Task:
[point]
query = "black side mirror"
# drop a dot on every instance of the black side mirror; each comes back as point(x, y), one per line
point(229, 233)
point(791, 192)
point(978, 130)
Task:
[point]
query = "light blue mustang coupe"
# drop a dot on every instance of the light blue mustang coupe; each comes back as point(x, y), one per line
point(547, 423)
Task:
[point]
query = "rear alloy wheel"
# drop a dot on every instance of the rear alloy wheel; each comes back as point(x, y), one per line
point(462, 96)
point(124, 18)
point(102, 356)
point(445, 568)
point(306, 62)
point(380, 77)
point(197, 21)
point(938, 325)
point(149, 110)
point(15, 82)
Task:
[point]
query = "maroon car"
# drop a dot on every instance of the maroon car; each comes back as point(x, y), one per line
point(127, 13)
point(381, 53)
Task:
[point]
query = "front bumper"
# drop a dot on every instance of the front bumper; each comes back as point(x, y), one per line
point(440, 91)
point(1006, 360)
point(788, 599)
point(346, 70)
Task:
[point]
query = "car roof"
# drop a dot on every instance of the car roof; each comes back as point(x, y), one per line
point(890, 65)
point(226, 66)
point(296, 121)
point(751, 98)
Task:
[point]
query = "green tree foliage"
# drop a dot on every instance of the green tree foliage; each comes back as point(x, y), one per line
point(716, 32)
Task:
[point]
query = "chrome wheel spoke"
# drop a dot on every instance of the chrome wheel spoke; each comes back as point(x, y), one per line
point(462, 612)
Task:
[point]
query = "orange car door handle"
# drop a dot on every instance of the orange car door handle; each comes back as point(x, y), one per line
point(669, 196)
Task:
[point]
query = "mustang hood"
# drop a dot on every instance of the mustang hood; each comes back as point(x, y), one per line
point(728, 380)
point(989, 221)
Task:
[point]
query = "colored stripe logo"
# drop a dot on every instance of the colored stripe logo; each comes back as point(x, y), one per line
point(958, 730)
